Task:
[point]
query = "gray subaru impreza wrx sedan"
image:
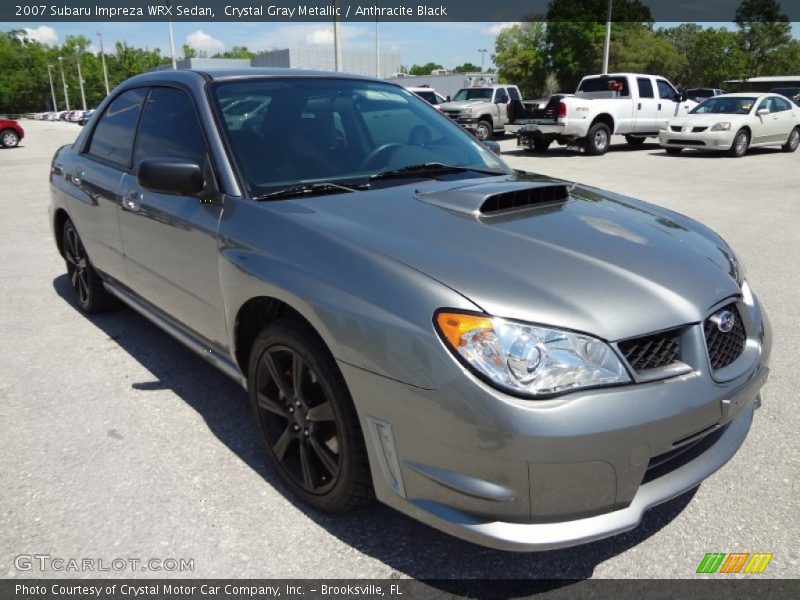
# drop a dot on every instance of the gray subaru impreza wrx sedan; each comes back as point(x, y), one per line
point(519, 361)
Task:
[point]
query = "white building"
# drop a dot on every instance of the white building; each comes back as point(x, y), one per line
point(307, 58)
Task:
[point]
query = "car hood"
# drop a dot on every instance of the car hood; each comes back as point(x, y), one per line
point(596, 262)
point(704, 120)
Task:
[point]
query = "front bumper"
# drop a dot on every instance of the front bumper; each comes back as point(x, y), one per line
point(706, 140)
point(536, 475)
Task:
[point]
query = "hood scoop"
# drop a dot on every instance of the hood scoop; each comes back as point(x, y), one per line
point(490, 199)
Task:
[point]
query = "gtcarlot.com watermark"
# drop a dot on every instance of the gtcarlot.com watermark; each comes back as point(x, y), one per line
point(59, 564)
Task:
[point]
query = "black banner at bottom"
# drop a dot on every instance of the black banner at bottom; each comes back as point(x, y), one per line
point(407, 589)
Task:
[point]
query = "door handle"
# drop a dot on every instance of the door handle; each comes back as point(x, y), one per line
point(659, 106)
point(131, 201)
point(640, 106)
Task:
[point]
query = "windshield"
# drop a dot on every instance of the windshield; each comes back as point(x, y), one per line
point(428, 96)
point(473, 94)
point(725, 105)
point(341, 131)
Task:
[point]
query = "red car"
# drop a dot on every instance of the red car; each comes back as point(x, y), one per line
point(10, 133)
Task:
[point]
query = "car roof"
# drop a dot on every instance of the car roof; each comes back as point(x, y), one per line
point(745, 95)
point(186, 75)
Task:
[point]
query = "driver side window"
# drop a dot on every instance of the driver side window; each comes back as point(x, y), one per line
point(500, 96)
point(666, 91)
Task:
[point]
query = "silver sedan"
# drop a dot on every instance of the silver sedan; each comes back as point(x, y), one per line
point(734, 123)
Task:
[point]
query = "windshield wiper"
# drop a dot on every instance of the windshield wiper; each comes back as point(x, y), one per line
point(312, 188)
point(431, 167)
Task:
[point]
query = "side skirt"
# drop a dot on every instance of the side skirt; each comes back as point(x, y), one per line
point(180, 333)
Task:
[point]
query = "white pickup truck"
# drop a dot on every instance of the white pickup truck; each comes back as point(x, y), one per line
point(629, 104)
point(482, 110)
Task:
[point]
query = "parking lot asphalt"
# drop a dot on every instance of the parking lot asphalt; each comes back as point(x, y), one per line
point(117, 442)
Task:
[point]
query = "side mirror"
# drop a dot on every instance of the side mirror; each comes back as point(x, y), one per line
point(762, 112)
point(177, 176)
point(448, 98)
point(493, 146)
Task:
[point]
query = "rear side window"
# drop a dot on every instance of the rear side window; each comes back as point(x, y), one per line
point(112, 139)
point(645, 87)
point(170, 128)
point(514, 93)
point(500, 96)
point(780, 105)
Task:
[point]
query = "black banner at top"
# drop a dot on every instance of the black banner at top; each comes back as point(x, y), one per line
point(370, 10)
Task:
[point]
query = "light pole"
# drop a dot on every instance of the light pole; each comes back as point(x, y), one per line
point(483, 52)
point(337, 39)
point(80, 77)
point(607, 46)
point(52, 88)
point(172, 43)
point(103, 60)
point(377, 49)
point(63, 81)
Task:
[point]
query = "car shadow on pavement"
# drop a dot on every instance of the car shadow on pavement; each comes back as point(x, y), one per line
point(408, 547)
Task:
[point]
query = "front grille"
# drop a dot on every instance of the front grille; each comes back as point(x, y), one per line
point(676, 128)
point(724, 348)
point(698, 129)
point(687, 142)
point(652, 351)
point(453, 114)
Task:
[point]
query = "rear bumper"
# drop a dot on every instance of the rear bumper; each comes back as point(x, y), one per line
point(536, 475)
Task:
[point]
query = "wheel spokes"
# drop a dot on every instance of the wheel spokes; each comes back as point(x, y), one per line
point(272, 406)
point(324, 455)
point(305, 466)
point(283, 387)
point(298, 367)
point(282, 445)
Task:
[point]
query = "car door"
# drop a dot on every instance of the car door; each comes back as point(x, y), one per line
point(767, 128)
point(170, 241)
point(669, 101)
point(784, 113)
point(501, 106)
point(646, 114)
point(96, 176)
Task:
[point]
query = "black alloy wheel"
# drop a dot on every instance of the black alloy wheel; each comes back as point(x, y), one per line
point(307, 419)
point(92, 297)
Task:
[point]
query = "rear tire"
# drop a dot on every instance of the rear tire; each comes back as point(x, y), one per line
point(541, 146)
point(793, 142)
point(635, 141)
point(307, 419)
point(9, 138)
point(598, 139)
point(673, 151)
point(91, 295)
point(740, 144)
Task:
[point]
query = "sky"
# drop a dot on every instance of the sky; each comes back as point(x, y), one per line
point(449, 44)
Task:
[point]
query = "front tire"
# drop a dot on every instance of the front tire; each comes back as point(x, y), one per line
point(9, 138)
point(740, 144)
point(484, 130)
point(793, 142)
point(306, 418)
point(90, 294)
point(598, 140)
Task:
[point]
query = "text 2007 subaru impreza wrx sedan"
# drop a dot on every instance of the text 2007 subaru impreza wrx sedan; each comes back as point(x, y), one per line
point(515, 360)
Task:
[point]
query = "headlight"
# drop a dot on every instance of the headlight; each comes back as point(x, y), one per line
point(465, 114)
point(529, 359)
point(721, 126)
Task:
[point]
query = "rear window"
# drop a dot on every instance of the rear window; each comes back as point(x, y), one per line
point(605, 84)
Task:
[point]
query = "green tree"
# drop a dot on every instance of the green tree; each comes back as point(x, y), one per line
point(639, 50)
point(467, 67)
point(765, 34)
point(576, 33)
point(425, 69)
point(235, 52)
point(520, 56)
